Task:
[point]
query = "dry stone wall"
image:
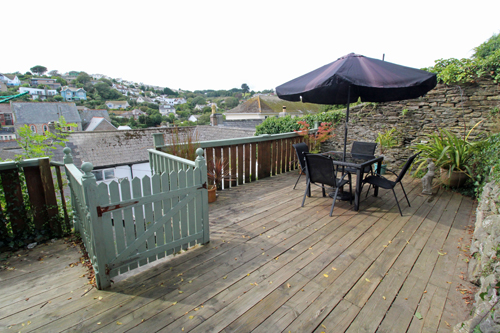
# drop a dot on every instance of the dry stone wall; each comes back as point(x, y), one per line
point(446, 106)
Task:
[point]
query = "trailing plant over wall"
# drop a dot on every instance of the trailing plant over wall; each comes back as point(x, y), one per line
point(485, 61)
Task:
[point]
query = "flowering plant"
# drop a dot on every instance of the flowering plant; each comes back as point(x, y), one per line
point(314, 140)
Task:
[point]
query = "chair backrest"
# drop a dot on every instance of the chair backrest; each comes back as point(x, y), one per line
point(365, 148)
point(406, 167)
point(320, 169)
point(301, 148)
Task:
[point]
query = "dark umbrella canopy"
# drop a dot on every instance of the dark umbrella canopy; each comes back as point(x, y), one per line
point(371, 79)
point(355, 76)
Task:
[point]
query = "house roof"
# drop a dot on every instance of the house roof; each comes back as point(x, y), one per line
point(88, 114)
point(10, 76)
point(108, 148)
point(117, 102)
point(273, 105)
point(40, 113)
point(96, 121)
point(71, 88)
point(5, 108)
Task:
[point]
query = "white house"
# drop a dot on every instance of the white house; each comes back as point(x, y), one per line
point(142, 99)
point(117, 104)
point(175, 101)
point(121, 88)
point(193, 118)
point(166, 109)
point(38, 93)
point(10, 79)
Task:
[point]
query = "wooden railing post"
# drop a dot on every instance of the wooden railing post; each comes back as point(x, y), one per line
point(68, 159)
point(201, 164)
point(158, 140)
point(98, 241)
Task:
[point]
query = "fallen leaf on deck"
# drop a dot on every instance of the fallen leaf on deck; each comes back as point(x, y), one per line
point(325, 275)
point(225, 277)
point(323, 326)
point(418, 315)
point(367, 280)
point(288, 285)
point(99, 323)
point(180, 291)
point(334, 268)
point(174, 303)
point(191, 317)
point(441, 254)
point(118, 323)
point(383, 297)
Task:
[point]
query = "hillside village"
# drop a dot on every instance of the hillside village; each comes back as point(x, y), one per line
point(111, 120)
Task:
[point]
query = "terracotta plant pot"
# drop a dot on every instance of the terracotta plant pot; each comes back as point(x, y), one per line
point(212, 193)
point(456, 179)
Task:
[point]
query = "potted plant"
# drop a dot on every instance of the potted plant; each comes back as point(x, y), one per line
point(451, 153)
point(386, 140)
point(217, 171)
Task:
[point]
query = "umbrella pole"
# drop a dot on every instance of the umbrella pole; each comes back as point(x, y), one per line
point(346, 121)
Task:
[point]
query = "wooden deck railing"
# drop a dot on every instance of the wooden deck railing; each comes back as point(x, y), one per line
point(34, 176)
point(132, 223)
point(249, 158)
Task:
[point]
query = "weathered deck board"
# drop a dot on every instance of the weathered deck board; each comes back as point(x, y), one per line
point(271, 266)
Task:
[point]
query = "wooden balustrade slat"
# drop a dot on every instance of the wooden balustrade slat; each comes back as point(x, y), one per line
point(227, 161)
point(36, 195)
point(14, 199)
point(240, 164)
point(246, 147)
point(233, 166)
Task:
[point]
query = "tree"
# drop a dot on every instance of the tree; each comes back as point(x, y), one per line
point(58, 98)
point(62, 81)
point(54, 72)
point(28, 73)
point(168, 91)
point(83, 78)
point(245, 88)
point(231, 102)
point(38, 69)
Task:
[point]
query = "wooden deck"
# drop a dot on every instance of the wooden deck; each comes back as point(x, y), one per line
point(271, 266)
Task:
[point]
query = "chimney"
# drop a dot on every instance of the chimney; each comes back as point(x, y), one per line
point(283, 113)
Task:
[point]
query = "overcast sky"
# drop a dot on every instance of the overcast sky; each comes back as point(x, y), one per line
point(196, 45)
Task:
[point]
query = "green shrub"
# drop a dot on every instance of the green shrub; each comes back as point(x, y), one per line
point(273, 125)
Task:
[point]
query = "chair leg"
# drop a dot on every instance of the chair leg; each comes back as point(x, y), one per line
point(334, 199)
point(369, 187)
point(300, 174)
point(350, 189)
point(405, 195)
point(307, 188)
point(397, 202)
point(323, 188)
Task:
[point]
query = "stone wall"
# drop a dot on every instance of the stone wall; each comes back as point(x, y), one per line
point(450, 107)
point(484, 265)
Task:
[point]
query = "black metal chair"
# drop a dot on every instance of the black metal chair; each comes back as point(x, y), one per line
point(363, 148)
point(320, 171)
point(299, 149)
point(381, 181)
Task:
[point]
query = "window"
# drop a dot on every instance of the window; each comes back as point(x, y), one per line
point(8, 119)
point(33, 128)
point(98, 175)
point(109, 174)
point(45, 128)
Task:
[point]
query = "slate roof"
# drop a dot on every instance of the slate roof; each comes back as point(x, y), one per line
point(5, 108)
point(108, 148)
point(40, 113)
point(96, 121)
point(88, 114)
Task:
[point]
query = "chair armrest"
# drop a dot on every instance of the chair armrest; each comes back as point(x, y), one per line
point(377, 175)
point(395, 174)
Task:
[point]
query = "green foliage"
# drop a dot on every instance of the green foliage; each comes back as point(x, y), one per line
point(387, 139)
point(245, 88)
point(38, 145)
point(452, 70)
point(274, 125)
point(487, 48)
point(231, 102)
point(485, 164)
point(38, 69)
point(448, 151)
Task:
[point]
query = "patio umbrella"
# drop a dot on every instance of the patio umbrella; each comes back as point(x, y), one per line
point(355, 76)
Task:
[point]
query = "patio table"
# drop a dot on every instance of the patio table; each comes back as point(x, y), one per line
point(358, 162)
